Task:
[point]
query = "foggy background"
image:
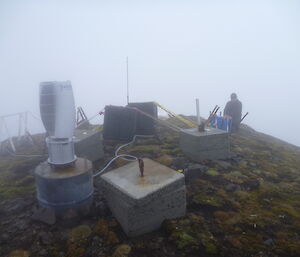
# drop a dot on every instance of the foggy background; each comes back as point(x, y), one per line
point(178, 51)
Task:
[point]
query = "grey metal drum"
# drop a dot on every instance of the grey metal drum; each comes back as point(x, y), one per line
point(69, 187)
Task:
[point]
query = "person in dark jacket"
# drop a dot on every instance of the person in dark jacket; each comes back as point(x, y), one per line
point(233, 109)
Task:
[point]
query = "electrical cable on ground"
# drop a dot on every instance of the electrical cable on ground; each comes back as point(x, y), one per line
point(112, 160)
point(126, 157)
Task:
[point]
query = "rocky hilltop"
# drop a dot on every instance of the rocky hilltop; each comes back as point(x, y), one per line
point(247, 205)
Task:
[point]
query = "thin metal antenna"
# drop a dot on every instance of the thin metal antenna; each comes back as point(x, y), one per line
point(127, 80)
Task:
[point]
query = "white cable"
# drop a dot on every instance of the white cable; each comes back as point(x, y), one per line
point(112, 160)
point(125, 157)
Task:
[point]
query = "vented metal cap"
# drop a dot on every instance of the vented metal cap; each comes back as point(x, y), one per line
point(57, 108)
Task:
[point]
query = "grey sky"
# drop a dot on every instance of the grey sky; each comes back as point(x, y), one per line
point(178, 50)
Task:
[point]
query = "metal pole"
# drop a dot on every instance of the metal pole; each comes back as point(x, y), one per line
point(198, 112)
point(20, 126)
point(244, 116)
point(25, 121)
point(127, 80)
point(9, 137)
point(1, 127)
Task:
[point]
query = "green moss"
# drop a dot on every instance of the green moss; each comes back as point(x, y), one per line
point(206, 199)
point(15, 177)
point(19, 253)
point(190, 234)
point(79, 233)
point(12, 191)
point(122, 251)
point(103, 229)
point(184, 240)
point(78, 240)
point(212, 172)
point(174, 152)
point(165, 160)
point(211, 248)
point(152, 149)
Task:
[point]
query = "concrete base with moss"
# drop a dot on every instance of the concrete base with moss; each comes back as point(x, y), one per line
point(141, 204)
point(212, 144)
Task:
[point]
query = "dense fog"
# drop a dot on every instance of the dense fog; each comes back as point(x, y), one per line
point(177, 50)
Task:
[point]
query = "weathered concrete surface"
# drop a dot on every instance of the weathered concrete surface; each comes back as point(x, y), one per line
point(88, 144)
point(211, 144)
point(141, 204)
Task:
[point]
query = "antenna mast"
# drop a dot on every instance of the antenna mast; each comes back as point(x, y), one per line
point(127, 80)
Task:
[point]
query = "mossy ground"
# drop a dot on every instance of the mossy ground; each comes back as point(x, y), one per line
point(249, 208)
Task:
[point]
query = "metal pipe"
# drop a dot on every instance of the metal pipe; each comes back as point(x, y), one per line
point(25, 122)
point(20, 125)
point(9, 137)
point(127, 80)
point(198, 112)
point(244, 116)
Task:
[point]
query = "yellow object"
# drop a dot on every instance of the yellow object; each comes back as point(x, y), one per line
point(183, 120)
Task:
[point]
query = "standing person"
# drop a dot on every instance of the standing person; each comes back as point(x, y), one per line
point(233, 109)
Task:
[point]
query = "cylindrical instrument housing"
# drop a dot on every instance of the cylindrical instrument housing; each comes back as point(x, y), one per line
point(65, 188)
point(61, 150)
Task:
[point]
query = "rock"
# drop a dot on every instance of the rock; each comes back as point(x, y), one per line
point(100, 209)
point(122, 251)
point(276, 159)
point(70, 218)
point(224, 165)
point(180, 162)
point(232, 187)
point(16, 206)
point(236, 159)
point(194, 171)
point(4, 238)
point(43, 252)
point(45, 215)
point(269, 242)
point(21, 224)
point(46, 238)
point(253, 164)
point(197, 167)
point(251, 184)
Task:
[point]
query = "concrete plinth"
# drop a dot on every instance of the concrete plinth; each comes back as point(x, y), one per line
point(88, 144)
point(212, 144)
point(141, 204)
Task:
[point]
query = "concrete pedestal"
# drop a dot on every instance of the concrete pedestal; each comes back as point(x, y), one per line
point(211, 144)
point(141, 204)
point(88, 144)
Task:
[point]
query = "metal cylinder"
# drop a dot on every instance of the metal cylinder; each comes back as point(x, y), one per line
point(61, 150)
point(65, 188)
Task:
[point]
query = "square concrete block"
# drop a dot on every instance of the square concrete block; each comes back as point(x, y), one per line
point(88, 144)
point(141, 204)
point(212, 144)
